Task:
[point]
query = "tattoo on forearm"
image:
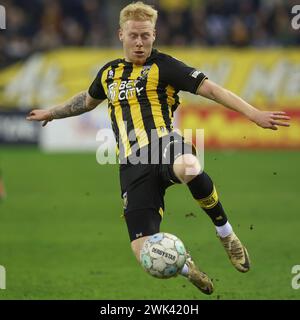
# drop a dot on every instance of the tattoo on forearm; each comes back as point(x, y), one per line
point(77, 105)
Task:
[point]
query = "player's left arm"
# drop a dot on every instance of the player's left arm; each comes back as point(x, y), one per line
point(264, 119)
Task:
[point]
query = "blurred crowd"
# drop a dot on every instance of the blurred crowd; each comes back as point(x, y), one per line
point(38, 25)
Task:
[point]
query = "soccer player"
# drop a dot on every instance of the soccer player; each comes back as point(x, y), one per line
point(142, 91)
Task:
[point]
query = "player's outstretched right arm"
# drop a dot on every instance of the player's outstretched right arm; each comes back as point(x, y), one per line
point(77, 105)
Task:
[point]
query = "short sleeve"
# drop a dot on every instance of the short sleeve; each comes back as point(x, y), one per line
point(96, 89)
point(180, 76)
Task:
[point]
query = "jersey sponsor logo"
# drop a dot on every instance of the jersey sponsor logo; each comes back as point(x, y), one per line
point(126, 90)
point(111, 95)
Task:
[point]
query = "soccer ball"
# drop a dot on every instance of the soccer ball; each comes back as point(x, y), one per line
point(163, 255)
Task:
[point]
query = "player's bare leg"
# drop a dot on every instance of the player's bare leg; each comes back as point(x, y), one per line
point(193, 273)
point(188, 170)
point(137, 245)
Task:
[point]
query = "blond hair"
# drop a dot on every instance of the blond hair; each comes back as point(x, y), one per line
point(138, 11)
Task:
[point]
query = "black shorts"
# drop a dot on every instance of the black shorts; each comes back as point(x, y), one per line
point(143, 187)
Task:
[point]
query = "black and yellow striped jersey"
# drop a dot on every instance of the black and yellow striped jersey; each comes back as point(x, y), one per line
point(142, 98)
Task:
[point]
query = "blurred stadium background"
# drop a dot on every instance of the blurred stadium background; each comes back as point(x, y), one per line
point(61, 233)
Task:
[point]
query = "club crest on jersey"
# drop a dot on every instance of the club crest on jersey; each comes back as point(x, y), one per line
point(111, 74)
point(144, 73)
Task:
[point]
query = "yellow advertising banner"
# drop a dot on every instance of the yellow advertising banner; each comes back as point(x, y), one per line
point(268, 79)
point(224, 129)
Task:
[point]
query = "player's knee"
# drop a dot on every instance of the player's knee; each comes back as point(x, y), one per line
point(136, 246)
point(187, 167)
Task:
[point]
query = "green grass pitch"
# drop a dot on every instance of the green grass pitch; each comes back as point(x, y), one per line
point(62, 236)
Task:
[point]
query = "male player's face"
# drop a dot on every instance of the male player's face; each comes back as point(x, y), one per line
point(137, 38)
